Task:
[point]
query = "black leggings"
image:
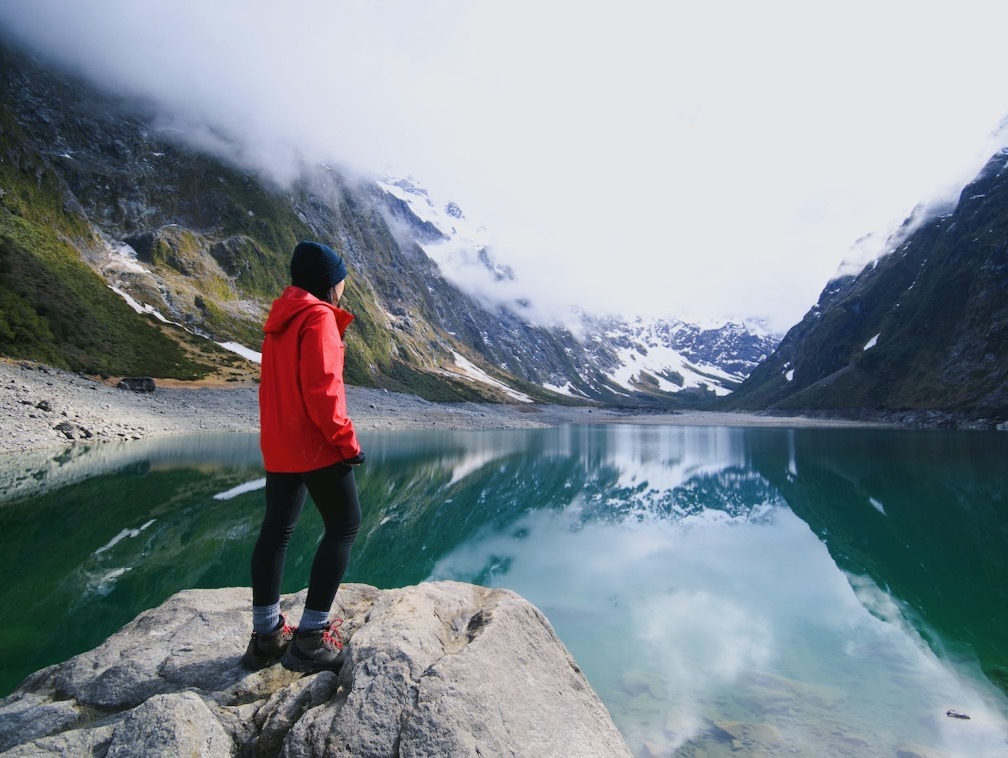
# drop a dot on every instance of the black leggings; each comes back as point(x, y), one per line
point(334, 492)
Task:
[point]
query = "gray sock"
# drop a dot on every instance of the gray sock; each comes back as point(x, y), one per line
point(265, 618)
point(312, 620)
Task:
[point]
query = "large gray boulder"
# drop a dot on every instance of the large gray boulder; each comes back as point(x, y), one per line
point(439, 669)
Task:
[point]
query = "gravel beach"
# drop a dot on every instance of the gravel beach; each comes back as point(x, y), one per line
point(47, 408)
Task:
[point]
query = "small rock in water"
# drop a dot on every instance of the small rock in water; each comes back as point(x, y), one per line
point(956, 715)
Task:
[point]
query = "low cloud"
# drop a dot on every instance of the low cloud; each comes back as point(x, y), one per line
point(694, 162)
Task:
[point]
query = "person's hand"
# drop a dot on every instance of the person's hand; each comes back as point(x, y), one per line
point(356, 460)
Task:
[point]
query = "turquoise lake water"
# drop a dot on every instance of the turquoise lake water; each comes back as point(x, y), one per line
point(774, 591)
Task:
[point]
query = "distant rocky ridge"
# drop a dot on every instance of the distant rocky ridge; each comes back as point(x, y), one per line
point(436, 669)
point(673, 356)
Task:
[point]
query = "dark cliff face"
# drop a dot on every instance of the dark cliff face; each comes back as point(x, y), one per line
point(921, 334)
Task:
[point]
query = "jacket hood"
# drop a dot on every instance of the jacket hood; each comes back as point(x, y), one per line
point(296, 302)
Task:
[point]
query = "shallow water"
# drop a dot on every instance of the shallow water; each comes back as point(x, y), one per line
point(774, 591)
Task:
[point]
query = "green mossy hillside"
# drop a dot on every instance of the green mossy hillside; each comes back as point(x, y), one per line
point(53, 307)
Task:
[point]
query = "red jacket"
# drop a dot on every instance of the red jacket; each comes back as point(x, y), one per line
point(303, 422)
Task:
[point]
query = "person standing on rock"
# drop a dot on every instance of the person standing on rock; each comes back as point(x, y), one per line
point(309, 446)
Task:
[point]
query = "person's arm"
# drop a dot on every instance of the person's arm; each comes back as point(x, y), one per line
point(321, 371)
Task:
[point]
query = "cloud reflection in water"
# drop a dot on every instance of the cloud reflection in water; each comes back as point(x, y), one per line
point(703, 609)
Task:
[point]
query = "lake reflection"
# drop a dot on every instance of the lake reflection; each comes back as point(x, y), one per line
point(814, 592)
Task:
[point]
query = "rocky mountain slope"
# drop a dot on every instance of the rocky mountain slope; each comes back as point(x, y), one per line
point(919, 335)
point(124, 249)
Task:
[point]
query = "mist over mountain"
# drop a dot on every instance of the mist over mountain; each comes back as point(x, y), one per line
point(125, 249)
point(684, 166)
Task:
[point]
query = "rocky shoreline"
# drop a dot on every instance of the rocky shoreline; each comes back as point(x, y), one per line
point(48, 408)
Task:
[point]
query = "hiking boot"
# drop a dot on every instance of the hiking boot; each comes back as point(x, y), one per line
point(317, 650)
point(267, 648)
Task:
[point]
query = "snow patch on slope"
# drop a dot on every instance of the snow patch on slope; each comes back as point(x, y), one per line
point(662, 362)
point(124, 258)
point(475, 373)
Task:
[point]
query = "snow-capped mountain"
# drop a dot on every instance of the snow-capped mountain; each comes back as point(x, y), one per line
point(670, 355)
point(628, 357)
point(460, 247)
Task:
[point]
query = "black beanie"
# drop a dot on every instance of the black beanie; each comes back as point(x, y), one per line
point(316, 268)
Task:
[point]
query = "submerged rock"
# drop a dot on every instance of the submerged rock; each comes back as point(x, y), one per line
point(440, 668)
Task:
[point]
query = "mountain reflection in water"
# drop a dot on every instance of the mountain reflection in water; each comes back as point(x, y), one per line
point(815, 591)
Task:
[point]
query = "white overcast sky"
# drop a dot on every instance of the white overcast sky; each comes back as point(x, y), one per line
point(694, 159)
